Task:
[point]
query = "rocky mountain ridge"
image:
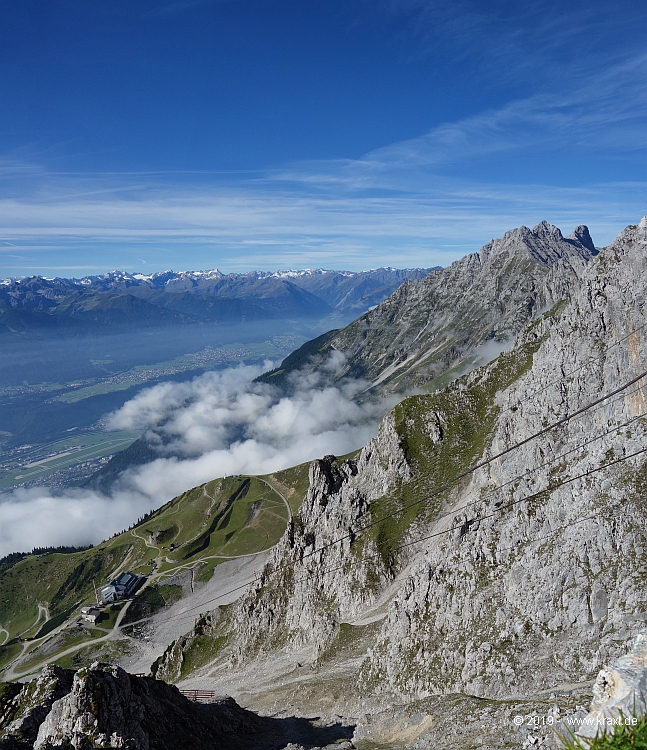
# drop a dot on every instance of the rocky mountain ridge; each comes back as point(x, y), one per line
point(507, 582)
point(436, 328)
point(104, 706)
point(257, 293)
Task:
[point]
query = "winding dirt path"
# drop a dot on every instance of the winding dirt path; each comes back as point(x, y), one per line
point(43, 610)
point(280, 494)
point(116, 632)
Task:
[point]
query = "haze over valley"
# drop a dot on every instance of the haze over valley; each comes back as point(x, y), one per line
point(105, 350)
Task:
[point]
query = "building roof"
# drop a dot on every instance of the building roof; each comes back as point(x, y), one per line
point(122, 585)
point(126, 579)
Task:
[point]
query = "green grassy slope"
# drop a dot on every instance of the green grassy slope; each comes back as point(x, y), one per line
point(202, 527)
point(467, 416)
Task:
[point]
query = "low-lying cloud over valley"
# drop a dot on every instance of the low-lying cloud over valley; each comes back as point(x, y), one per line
point(218, 424)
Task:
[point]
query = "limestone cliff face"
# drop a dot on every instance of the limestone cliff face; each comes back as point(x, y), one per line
point(542, 591)
point(321, 581)
point(309, 585)
point(442, 323)
point(524, 574)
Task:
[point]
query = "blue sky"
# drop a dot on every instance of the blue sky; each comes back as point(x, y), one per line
point(240, 134)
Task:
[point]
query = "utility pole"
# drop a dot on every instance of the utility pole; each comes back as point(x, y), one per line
point(96, 596)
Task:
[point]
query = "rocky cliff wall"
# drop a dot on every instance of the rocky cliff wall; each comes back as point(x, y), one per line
point(530, 571)
point(543, 591)
point(302, 593)
point(462, 315)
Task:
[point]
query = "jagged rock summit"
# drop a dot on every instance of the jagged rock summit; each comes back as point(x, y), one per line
point(543, 243)
point(436, 328)
point(105, 707)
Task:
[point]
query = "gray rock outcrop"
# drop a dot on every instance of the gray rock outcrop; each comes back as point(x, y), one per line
point(303, 593)
point(619, 693)
point(105, 707)
point(22, 716)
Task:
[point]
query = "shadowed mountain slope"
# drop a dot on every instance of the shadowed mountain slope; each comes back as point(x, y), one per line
point(106, 707)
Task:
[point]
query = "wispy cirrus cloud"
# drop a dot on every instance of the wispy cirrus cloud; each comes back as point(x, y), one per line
point(242, 228)
point(397, 205)
point(515, 44)
point(608, 109)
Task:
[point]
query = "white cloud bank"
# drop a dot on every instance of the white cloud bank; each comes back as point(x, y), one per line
point(218, 424)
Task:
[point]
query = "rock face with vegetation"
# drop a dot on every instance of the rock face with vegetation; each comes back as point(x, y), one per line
point(297, 599)
point(542, 577)
point(434, 328)
point(539, 578)
point(499, 524)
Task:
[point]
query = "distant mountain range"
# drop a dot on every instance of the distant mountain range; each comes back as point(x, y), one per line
point(121, 300)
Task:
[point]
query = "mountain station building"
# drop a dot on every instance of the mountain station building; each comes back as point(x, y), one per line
point(90, 614)
point(121, 588)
